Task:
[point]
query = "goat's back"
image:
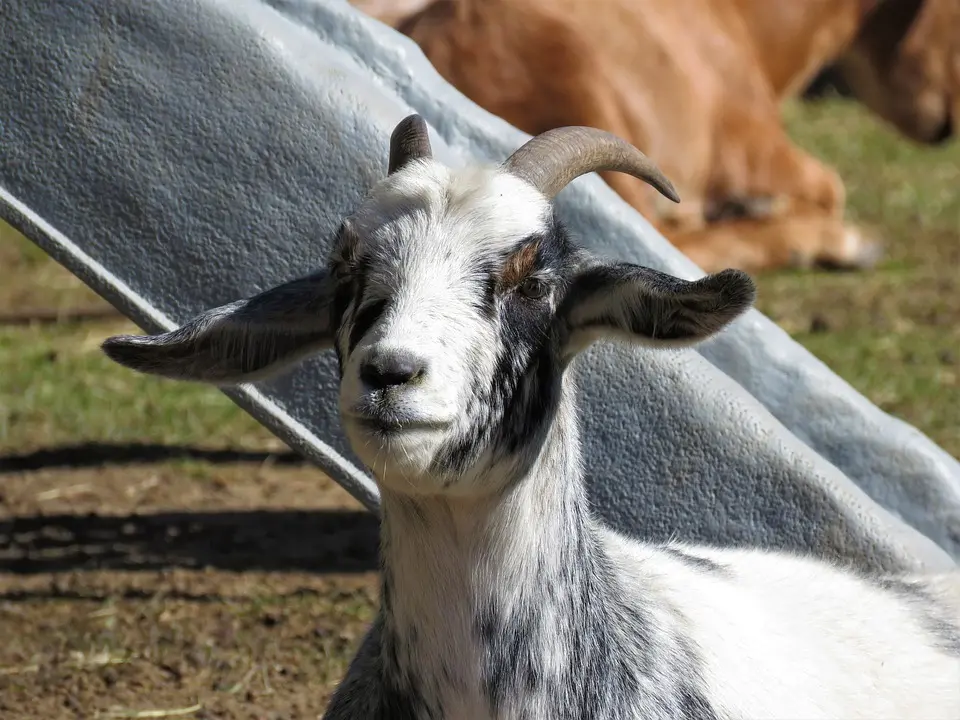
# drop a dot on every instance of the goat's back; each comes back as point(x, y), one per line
point(787, 637)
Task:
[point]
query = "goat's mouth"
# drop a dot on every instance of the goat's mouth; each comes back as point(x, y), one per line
point(387, 423)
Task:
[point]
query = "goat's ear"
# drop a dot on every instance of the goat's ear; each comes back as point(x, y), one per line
point(243, 341)
point(641, 305)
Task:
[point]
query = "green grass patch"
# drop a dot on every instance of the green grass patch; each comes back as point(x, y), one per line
point(893, 333)
point(57, 387)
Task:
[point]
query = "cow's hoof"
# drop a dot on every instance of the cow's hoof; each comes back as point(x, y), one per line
point(859, 251)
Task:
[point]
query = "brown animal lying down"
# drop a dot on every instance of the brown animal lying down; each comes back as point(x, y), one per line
point(697, 84)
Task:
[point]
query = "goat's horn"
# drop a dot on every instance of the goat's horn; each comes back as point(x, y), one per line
point(552, 159)
point(410, 141)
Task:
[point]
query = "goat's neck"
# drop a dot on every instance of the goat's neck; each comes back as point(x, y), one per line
point(794, 40)
point(493, 543)
point(457, 572)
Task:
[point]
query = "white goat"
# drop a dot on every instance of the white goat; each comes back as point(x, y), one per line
point(455, 301)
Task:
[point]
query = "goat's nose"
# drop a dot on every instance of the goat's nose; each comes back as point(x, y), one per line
point(391, 368)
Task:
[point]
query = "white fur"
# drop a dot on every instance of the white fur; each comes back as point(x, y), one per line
point(832, 644)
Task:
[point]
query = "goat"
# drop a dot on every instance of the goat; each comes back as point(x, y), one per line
point(455, 301)
point(696, 84)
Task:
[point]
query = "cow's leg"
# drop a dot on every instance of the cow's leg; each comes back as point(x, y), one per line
point(808, 240)
point(792, 205)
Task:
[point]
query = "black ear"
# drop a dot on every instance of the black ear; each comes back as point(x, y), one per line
point(241, 342)
point(641, 305)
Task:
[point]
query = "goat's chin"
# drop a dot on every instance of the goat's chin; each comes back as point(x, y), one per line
point(417, 488)
point(400, 459)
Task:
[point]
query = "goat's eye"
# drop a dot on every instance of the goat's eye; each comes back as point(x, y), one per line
point(533, 288)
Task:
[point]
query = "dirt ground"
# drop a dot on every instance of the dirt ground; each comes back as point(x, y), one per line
point(161, 554)
point(131, 589)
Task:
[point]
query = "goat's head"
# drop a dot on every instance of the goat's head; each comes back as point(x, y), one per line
point(454, 301)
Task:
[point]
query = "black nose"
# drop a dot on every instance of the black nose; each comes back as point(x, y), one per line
point(390, 368)
point(944, 132)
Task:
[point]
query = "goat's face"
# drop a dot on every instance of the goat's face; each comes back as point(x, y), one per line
point(453, 280)
point(454, 301)
point(905, 66)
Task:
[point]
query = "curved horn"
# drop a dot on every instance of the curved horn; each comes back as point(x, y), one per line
point(410, 140)
point(552, 159)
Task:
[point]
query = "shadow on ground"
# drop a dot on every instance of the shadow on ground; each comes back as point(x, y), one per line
point(95, 454)
point(320, 541)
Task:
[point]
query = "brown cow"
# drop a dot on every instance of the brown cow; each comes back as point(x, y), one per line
point(696, 84)
point(905, 66)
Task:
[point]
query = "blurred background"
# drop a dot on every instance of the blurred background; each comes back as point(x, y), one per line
point(162, 552)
